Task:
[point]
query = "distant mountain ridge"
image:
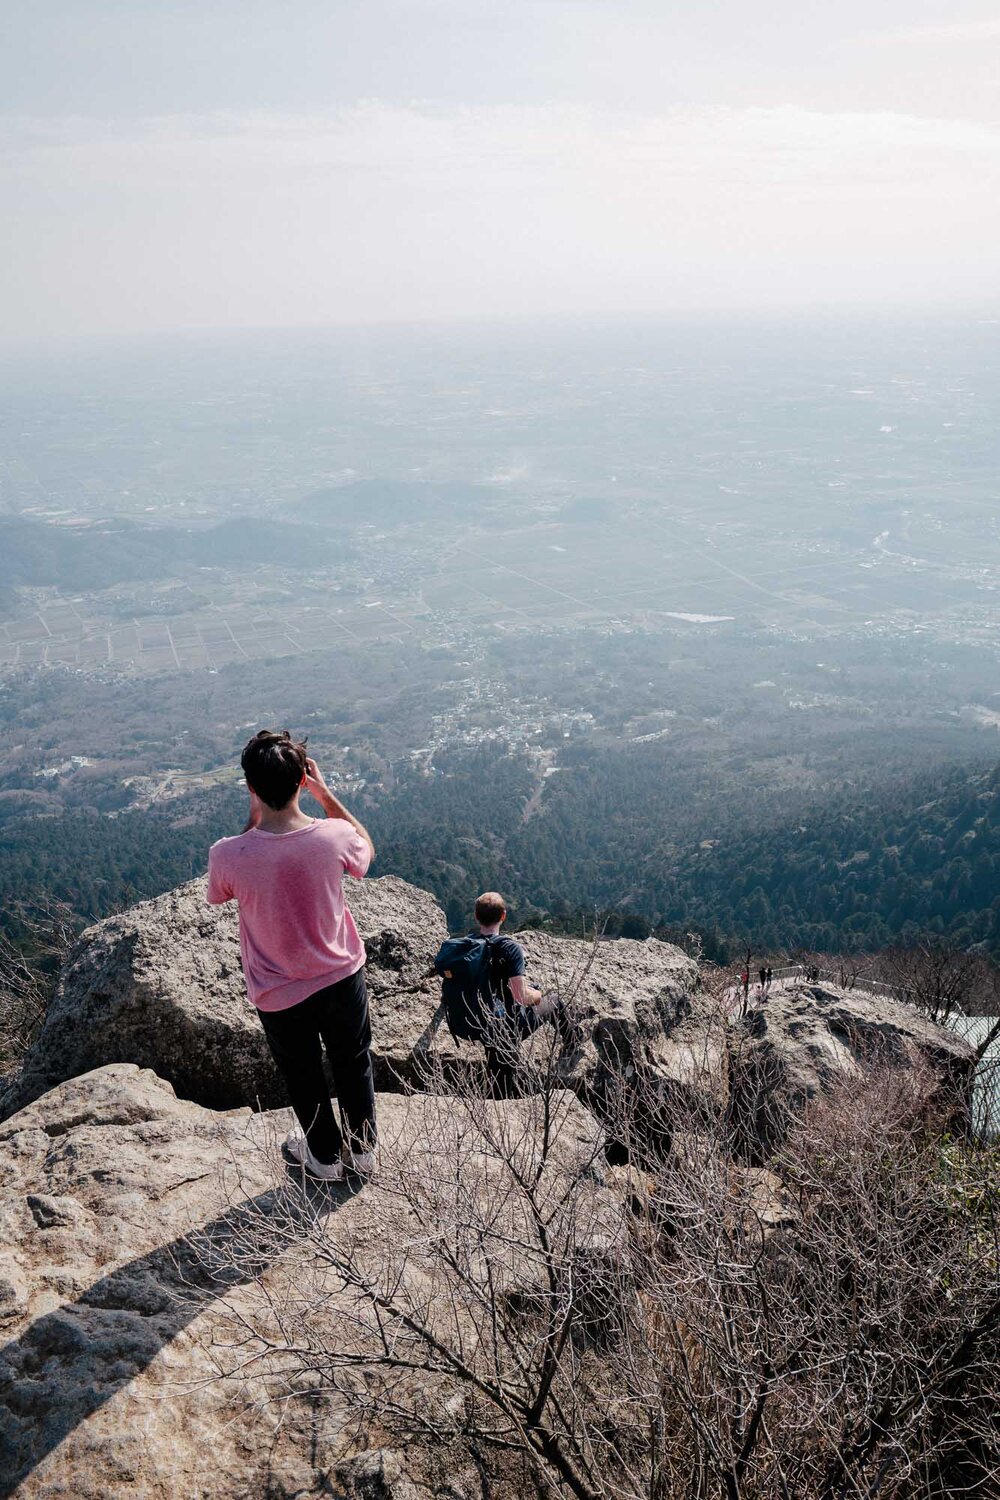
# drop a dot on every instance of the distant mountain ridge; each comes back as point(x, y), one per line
point(37, 553)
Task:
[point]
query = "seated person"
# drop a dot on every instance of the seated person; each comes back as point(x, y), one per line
point(521, 1009)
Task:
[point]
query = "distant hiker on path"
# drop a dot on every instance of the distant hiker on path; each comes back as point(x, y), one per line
point(487, 998)
point(303, 960)
point(762, 976)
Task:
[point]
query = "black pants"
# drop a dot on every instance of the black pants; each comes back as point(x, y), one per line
point(503, 1066)
point(503, 1072)
point(335, 1018)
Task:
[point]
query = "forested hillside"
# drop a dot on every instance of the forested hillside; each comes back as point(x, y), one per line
point(99, 865)
point(855, 867)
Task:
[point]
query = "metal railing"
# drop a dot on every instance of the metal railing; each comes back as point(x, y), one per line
point(845, 980)
point(848, 981)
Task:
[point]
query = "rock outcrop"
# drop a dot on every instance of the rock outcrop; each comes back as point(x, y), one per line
point(111, 1189)
point(101, 1181)
point(134, 1223)
point(161, 986)
point(641, 1018)
point(807, 1036)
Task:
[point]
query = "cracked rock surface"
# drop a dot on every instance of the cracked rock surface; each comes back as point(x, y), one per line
point(161, 986)
point(806, 1036)
point(115, 1196)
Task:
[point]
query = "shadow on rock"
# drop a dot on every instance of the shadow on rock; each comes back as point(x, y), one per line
point(66, 1364)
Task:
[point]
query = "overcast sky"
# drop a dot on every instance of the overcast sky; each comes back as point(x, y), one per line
point(248, 163)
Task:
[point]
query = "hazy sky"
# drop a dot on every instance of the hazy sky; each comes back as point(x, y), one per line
point(233, 163)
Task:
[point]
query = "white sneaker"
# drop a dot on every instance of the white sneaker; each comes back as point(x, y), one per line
point(361, 1163)
point(298, 1149)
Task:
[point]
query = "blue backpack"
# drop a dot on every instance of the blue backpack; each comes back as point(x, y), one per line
point(469, 992)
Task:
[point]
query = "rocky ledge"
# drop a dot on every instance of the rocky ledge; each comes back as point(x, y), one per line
point(138, 1229)
point(806, 1036)
point(160, 986)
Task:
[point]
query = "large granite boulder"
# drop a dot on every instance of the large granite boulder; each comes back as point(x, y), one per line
point(137, 1231)
point(807, 1037)
point(161, 986)
point(644, 1024)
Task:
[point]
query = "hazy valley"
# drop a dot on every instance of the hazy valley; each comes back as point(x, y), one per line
point(581, 611)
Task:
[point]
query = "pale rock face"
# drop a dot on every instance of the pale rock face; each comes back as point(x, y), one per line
point(641, 1016)
point(109, 1322)
point(161, 986)
point(101, 1180)
point(111, 1329)
point(806, 1036)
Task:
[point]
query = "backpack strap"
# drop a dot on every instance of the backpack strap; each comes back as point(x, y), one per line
point(488, 964)
point(494, 982)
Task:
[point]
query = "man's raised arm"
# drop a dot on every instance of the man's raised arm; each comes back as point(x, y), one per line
point(332, 805)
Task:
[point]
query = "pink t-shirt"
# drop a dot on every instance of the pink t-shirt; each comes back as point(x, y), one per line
point(296, 934)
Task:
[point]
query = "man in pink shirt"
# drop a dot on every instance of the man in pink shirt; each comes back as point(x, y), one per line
point(303, 960)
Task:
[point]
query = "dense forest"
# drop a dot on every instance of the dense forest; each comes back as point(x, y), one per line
point(851, 868)
point(859, 870)
point(855, 867)
point(98, 865)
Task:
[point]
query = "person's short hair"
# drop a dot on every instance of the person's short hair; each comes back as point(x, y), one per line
point(274, 765)
point(490, 908)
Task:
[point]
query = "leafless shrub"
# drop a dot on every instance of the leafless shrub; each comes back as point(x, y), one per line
point(850, 970)
point(940, 980)
point(950, 986)
point(29, 968)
